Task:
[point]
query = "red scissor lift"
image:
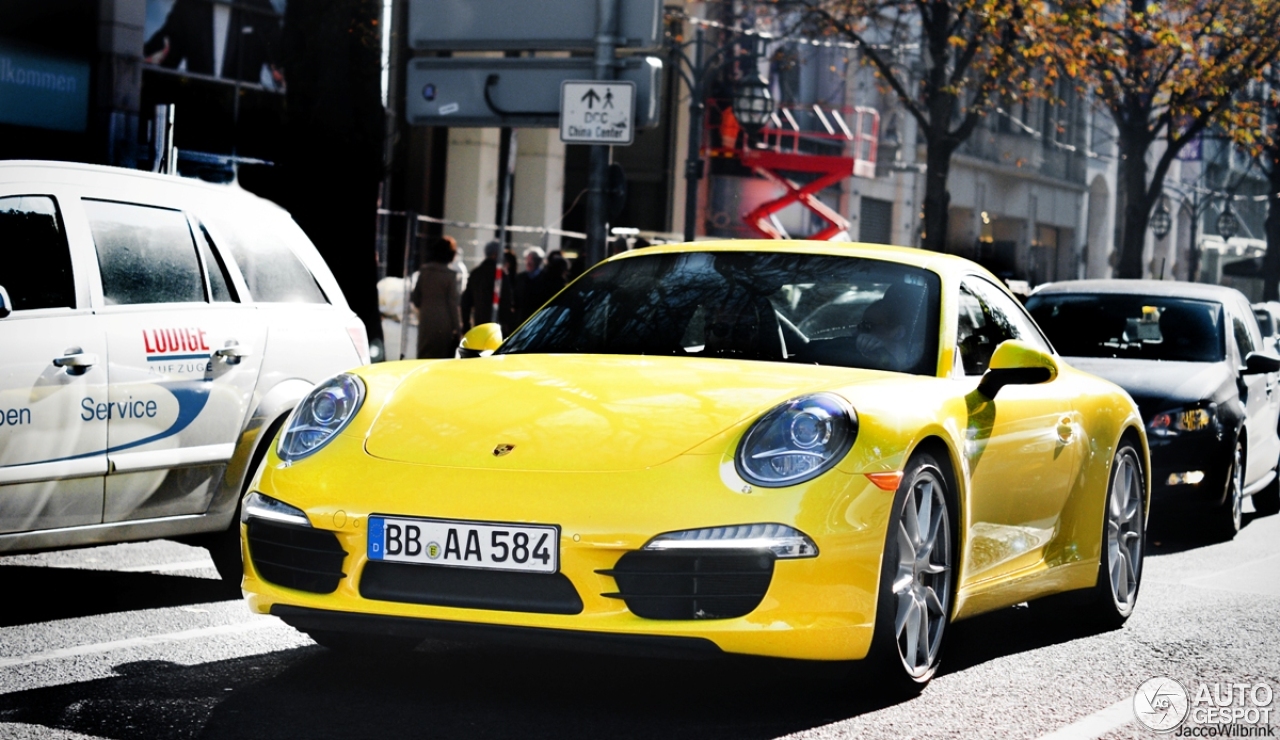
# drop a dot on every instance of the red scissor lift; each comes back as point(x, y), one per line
point(824, 146)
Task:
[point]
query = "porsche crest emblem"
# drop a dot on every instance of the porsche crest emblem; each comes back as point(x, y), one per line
point(501, 450)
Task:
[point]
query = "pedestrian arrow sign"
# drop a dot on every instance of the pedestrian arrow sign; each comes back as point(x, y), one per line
point(597, 112)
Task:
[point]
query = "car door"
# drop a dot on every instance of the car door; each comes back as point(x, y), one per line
point(1259, 396)
point(1023, 448)
point(54, 373)
point(185, 357)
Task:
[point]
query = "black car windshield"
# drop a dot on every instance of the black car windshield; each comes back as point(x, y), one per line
point(1133, 326)
point(780, 307)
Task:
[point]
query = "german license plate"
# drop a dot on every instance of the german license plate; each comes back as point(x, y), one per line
point(532, 548)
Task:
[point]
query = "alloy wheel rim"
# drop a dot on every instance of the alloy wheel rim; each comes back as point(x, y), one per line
point(922, 585)
point(1124, 533)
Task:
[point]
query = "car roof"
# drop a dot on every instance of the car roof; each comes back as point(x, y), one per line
point(97, 175)
point(1171, 288)
point(922, 258)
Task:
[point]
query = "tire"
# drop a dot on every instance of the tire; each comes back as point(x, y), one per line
point(1228, 517)
point(1267, 501)
point(1124, 541)
point(917, 581)
point(358, 645)
point(224, 548)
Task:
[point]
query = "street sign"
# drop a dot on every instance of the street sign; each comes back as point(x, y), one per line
point(518, 25)
point(597, 112)
point(485, 92)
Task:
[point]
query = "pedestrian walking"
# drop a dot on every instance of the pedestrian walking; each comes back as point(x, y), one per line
point(438, 301)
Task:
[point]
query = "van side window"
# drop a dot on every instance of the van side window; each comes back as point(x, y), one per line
point(260, 246)
point(220, 290)
point(31, 234)
point(145, 254)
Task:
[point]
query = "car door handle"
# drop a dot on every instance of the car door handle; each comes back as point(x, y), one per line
point(232, 352)
point(1065, 430)
point(76, 361)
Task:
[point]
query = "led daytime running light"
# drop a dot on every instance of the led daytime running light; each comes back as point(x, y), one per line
point(264, 507)
point(783, 541)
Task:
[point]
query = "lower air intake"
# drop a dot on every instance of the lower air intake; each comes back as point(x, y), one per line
point(692, 584)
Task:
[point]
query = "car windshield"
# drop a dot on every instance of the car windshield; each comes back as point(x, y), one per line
point(1132, 326)
point(782, 307)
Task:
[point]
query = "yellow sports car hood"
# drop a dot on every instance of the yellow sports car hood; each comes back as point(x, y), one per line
point(578, 412)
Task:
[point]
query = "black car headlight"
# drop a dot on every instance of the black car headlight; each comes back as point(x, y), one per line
point(797, 441)
point(324, 412)
point(1175, 422)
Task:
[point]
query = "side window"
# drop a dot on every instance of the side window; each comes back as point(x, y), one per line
point(31, 235)
point(987, 318)
point(261, 248)
point(1244, 338)
point(145, 254)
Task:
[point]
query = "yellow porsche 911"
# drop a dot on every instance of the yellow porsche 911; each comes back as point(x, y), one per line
point(799, 449)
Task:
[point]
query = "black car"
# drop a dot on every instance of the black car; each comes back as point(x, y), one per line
point(1192, 358)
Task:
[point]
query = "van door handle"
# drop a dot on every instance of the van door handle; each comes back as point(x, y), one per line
point(232, 352)
point(76, 361)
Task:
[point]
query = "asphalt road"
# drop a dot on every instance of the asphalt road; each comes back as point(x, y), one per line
point(141, 641)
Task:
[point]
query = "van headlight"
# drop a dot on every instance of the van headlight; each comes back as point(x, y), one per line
point(797, 441)
point(319, 417)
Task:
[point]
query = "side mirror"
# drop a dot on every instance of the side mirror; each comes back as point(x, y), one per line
point(482, 340)
point(1258, 363)
point(6, 306)
point(1017, 363)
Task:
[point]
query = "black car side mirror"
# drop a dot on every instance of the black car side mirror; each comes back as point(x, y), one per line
point(6, 306)
point(1257, 363)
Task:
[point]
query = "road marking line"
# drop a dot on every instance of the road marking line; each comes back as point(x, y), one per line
point(258, 623)
point(1097, 724)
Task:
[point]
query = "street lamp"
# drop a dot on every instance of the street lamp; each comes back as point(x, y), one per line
point(1228, 224)
point(752, 106)
point(1160, 222)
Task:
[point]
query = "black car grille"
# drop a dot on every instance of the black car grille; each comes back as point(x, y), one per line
point(296, 557)
point(692, 584)
point(470, 588)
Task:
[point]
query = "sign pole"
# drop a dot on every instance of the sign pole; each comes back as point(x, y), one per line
point(597, 183)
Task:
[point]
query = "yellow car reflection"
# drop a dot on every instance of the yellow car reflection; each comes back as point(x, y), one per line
point(801, 449)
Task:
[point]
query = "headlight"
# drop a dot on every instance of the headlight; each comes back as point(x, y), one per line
point(264, 507)
point(797, 441)
point(1173, 422)
point(321, 415)
point(783, 541)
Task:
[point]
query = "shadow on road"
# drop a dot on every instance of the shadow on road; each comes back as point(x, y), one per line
point(446, 692)
point(36, 594)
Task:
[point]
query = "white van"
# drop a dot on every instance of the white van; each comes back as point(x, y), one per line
point(154, 334)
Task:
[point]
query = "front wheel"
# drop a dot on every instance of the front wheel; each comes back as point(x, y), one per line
point(1228, 518)
point(916, 580)
point(1123, 540)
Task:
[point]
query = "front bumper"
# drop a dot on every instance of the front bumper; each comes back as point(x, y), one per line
point(1187, 453)
point(819, 608)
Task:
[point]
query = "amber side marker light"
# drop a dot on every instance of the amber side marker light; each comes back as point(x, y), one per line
point(886, 481)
